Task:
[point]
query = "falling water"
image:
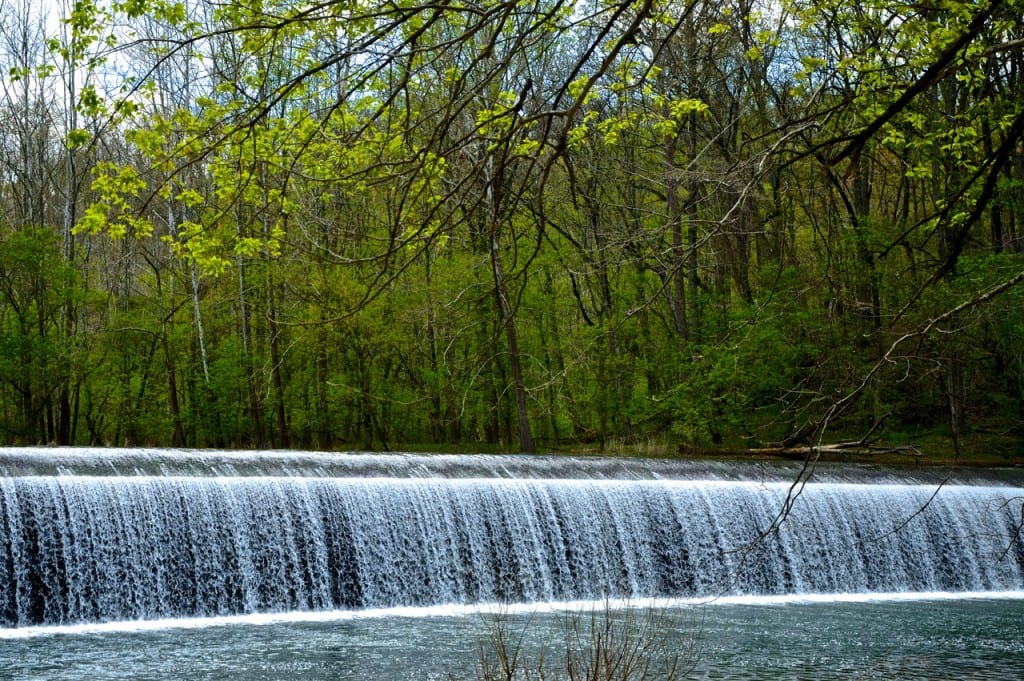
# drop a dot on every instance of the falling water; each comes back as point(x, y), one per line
point(90, 547)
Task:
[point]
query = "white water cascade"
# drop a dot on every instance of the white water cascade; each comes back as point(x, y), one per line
point(103, 544)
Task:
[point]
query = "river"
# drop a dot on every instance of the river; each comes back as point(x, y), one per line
point(159, 564)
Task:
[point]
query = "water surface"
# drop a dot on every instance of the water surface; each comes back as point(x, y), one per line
point(826, 638)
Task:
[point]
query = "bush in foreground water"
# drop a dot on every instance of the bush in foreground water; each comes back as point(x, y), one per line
point(604, 644)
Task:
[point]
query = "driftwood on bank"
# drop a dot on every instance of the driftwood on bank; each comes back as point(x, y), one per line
point(855, 448)
point(865, 446)
point(797, 446)
point(851, 448)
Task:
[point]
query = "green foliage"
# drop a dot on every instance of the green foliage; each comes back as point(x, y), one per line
point(35, 285)
point(376, 224)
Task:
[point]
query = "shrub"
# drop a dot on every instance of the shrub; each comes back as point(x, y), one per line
point(605, 644)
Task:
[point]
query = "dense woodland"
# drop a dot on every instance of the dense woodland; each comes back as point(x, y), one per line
point(516, 224)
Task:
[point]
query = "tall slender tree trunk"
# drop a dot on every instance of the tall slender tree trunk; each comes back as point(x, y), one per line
point(197, 310)
point(173, 403)
point(868, 295)
point(62, 433)
point(677, 263)
point(996, 212)
point(436, 415)
point(507, 319)
point(255, 406)
point(276, 378)
point(276, 357)
point(322, 422)
point(692, 274)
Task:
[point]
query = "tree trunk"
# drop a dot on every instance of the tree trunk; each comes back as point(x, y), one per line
point(275, 375)
point(507, 318)
point(677, 299)
point(173, 403)
point(255, 405)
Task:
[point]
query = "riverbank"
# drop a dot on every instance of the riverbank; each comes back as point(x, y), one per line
point(976, 450)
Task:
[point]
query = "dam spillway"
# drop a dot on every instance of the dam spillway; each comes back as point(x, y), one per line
point(101, 538)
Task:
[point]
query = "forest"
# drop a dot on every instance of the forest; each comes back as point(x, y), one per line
point(520, 225)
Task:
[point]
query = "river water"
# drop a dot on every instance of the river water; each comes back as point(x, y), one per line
point(924, 636)
point(157, 564)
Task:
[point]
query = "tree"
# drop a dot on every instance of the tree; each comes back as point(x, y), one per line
point(689, 219)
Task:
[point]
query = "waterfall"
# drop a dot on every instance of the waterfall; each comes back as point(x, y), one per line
point(85, 548)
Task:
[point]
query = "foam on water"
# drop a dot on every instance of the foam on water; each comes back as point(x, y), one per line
point(479, 609)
